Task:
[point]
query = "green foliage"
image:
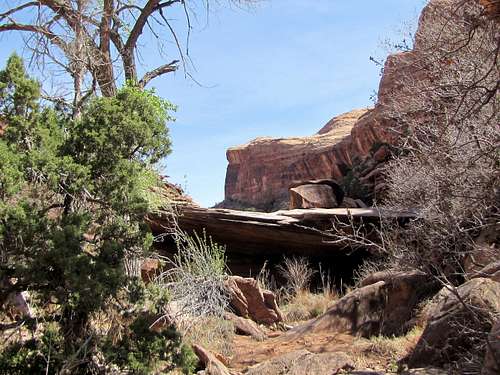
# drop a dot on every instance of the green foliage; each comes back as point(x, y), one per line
point(34, 356)
point(74, 193)
point(143, 350)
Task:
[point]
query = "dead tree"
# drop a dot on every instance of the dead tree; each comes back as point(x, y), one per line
point(96, 42)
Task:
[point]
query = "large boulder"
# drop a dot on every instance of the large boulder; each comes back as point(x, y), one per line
point(492, 359)
point(383, 305)
point(325, 193)
point(249, 301)
point(312, 196)
point(404, 292)
point(458, 320)
point(303, 362)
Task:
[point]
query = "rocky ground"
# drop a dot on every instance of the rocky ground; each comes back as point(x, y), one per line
point(378, 328)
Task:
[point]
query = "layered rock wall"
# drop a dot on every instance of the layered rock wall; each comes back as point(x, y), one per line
point(260, 172)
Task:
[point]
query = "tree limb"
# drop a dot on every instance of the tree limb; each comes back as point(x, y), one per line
point(167, 68)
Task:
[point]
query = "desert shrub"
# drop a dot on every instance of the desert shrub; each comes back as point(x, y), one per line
point(44, 355)
point(213, 332)
point(198, 298)
point(296, 299)
point(448, 167)
point(195, 279)
point(297, 273)
point(307, 305)
point(266, 279)
point(352, 185)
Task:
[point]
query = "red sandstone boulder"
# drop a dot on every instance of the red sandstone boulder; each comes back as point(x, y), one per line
point(312, 196)
point(249, 301)
point(213, 366)
point(325, 193)
point(246, 327)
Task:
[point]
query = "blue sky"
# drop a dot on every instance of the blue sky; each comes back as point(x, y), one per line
point(281, 68)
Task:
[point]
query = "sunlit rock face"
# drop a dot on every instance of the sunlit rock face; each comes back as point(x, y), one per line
point(260, 172)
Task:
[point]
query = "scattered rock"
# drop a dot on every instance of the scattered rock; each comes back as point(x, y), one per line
point(456, 330)
point(246, 327)
point(248, 300)
point(492, 358)
point(303, 362)
point(213, 366)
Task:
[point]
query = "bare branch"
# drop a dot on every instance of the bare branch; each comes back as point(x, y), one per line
point(167, 68)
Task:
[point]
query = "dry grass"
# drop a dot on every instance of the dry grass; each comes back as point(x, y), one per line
point(298, 273)
point(212, 333)
point(306, 305)
point(383, 353)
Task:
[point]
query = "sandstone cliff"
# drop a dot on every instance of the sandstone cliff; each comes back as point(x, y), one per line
point(260, 172)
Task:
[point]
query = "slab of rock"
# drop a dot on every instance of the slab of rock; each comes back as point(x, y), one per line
point(259, 233)
point(213, 366)
point(445, 340)
point(246, 327)
point(247, 300)
point(303, 362)
point(492, 359)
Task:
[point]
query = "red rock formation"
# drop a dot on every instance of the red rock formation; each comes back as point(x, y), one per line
point(260, 172)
